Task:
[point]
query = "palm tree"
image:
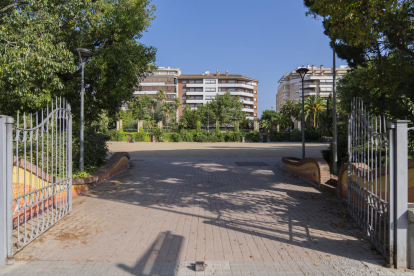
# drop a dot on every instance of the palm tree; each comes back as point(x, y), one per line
point(176, 104)
point(314, 106)
point(161, 96)
point(167, 108)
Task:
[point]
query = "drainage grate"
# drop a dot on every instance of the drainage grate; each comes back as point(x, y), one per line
point(255, 164)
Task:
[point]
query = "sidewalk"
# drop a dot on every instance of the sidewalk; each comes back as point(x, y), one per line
point(242, 216)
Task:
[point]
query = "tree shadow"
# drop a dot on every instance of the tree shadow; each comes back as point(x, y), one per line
point(263, 202)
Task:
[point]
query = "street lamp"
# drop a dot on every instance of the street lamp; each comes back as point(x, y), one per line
point(302, 72)
point(208, 118)
point(83, 55)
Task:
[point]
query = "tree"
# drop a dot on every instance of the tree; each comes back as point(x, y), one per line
point(227, 108)
point(207, 114)
point(291, 109)
point(376, 37)
point(327, 115)
point(161, 96)
point(176, 104)
point(191, 117)
point(361, 29)
point(314, 107)
point(36, 43)
point(139, 106)
point(167, 109)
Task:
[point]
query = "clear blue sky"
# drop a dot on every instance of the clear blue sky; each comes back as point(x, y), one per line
point(260, 39)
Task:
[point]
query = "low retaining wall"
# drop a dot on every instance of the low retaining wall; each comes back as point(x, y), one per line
point(315, 170)
point(116, 164)
point(342, 190)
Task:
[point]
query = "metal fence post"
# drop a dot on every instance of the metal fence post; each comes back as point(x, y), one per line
point(400, 193)
point(9, 189)
point(3, 192)
point(70, 160)
point(6, 187)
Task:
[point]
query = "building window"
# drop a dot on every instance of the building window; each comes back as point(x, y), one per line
point(184, 89)
point(184, 98)
point(241, 82)
point(232, 89)
point(184, 82)
point(200, 98)
point(286, 94)
point(199, 81)
point(255, 107)
point(191, 81)
point(210, 89)
point(199, 89)
point(255, 99)
point(232, 81)
point(255, 91)
point(223, 81)
point(210, 81)
point(242, 90)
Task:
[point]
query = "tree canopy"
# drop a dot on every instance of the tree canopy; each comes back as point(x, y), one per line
point(37, 39)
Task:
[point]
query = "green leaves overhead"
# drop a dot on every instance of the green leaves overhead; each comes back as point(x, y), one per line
point(37, 63)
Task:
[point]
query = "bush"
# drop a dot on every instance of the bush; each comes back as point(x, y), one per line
point(188, 137)
point(158, 134)
point(311, 135)
point(342, 147)
point(296, 135)
point(95, 148)
point(202, 138)
point(253, 136)
point(172, 137)
point(231, 137)
point(141, 136)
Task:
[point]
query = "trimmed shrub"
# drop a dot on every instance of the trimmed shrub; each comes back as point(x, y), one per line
point(253, 136)
point(172, 137)
point(296, 135)
point(311, 135)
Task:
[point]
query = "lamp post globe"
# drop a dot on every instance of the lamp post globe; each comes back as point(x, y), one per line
point(302, 72)
point(84, 54)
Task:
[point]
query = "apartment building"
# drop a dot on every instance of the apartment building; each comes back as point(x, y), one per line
point(196, 89)
point(318, 81)
point(162, 78)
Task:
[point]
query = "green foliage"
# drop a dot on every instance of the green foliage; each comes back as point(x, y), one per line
point(188, 137)
point(236, 127)
point(172, 137)
point(253, 136)
point(141, 136)
point(232, 137)
point(296, 135)
point(95, 148)
point(161, 96)
point(198, 127)
point(191, 117)
point(37, 39)
point(342, 147)
point(76, 173)
point(158, 134)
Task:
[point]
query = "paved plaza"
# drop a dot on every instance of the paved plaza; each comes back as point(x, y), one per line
point(242, 216)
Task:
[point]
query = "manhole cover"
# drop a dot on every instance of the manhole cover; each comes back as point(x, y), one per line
point(256, 164)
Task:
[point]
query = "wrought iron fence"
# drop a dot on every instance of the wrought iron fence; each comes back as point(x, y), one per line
point(42, 166)
point(368, 176)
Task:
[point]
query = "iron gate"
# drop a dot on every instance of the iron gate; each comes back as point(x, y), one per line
point(377, 180)
point(38, 168)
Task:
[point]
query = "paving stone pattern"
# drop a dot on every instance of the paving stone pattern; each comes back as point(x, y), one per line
point(163, 214)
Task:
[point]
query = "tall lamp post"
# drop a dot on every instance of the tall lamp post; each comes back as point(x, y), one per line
point(302, 72)
point(83, 55)
point(334, 142)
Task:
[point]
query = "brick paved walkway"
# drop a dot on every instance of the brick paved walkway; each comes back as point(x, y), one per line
point(162, 214)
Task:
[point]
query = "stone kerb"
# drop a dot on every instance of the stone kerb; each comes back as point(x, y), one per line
point(315, 170)
point(116, 164)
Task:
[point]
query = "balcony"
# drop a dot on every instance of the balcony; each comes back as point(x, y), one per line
point(194, 85)
point(194, 93)
point(238, 93)
point(248, 109)
point(241, 85)
point(247, 102)
point(249, 118)
point(194, 101)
